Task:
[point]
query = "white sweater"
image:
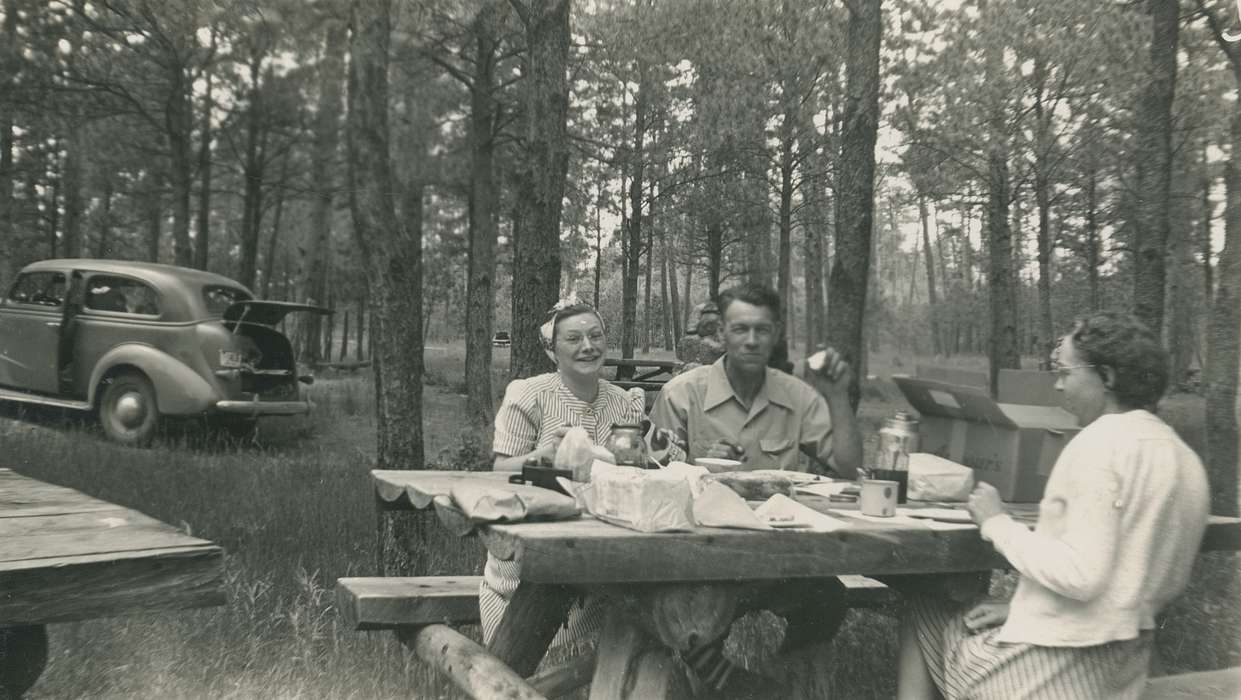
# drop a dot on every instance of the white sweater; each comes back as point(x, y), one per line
point(1119, 525)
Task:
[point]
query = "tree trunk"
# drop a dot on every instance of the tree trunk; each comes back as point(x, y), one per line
point(646, 283)
point(855, 203)
point(252, 178)
point(599, 242)
point(269, 261)
point(666, 315)
point(391, 253)
point(686, 301)
point(931, 294)
point(715, 259)
point(1224, 341)
point(103, 243)
point(154, 214)
point(541, 177)
point(1093, 245)
point(481, 261)
point(178, 125)
point(633, 257)
point(1154, 166)
point(323, 165)
point(358, 351)
point(1042, 195)
point(202, 244)
point(674, 294)
point(8, 243)
point(71, 183)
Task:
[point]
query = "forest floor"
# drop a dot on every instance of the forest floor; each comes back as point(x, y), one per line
point(294, 511)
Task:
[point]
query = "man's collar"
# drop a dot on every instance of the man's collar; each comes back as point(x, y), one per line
point(719, 389)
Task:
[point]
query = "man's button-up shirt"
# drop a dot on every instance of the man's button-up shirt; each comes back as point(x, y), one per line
point(787, 417)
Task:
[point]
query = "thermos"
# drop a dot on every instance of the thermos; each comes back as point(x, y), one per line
point(897, 439)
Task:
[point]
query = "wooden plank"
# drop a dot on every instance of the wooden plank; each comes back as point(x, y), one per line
point(635, 363)
point(645, 386)
point(22, 496)
point(101, 585)
point(470, 667)
point(374, 603)
point(49, 537)
point(587, 551)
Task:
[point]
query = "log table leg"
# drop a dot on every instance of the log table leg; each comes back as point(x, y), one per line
point(23, 656)
point(530, 622)
point(632, 665)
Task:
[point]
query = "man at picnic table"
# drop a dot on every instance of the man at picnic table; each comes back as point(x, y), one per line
point(739, 408)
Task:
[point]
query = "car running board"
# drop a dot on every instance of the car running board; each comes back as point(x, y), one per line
point(10, 395)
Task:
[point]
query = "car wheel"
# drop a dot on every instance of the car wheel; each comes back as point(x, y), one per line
point(128, 411)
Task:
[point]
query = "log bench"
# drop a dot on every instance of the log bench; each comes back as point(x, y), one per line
point(424, 610)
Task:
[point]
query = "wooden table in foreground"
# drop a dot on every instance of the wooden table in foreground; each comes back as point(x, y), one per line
point(65, 556)
point(559, 558)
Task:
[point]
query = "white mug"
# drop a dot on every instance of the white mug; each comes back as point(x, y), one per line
point(878, 497)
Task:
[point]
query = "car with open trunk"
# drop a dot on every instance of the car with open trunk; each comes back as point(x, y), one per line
point(139, 341)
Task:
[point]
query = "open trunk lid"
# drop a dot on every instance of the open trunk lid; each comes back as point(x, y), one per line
point(266, 313)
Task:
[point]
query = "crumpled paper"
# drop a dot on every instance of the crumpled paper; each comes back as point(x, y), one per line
point(486, 503)
point(719, 506)
point(782, 511)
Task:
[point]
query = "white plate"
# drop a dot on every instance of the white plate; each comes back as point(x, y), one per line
point(951, 515)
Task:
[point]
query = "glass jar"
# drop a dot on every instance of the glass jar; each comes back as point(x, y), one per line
point(627, 446)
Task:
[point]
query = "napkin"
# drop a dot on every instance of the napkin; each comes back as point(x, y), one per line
point(719, 506)
point(782, 511)
point(825, 489)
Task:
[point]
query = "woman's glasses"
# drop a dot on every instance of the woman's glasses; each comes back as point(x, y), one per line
point(1062, 371)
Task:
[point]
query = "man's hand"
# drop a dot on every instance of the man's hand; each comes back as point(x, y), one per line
point(984, 503)
point(723, 449)
point(833, 377)
point(985, 616)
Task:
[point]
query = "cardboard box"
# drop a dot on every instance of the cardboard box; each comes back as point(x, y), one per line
point(1010, 446)
point(953, 375)
point(1027, 386)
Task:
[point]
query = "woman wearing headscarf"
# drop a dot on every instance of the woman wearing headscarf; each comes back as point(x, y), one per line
point(534, 417)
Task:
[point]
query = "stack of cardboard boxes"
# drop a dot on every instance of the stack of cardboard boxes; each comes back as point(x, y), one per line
point(1011, 442)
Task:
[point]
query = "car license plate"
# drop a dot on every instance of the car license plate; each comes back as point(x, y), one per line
point(230, 359)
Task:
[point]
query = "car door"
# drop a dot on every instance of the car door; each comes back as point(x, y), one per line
point(30, 319)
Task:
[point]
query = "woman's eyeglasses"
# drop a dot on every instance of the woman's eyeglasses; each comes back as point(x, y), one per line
point(1062, 371)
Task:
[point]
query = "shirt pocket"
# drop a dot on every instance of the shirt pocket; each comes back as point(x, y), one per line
point(775, 449)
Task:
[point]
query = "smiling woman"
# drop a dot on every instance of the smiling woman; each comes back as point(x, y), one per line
point(534, 417)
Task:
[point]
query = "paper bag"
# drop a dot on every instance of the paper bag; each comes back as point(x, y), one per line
point(485, 503)
point(933, 478)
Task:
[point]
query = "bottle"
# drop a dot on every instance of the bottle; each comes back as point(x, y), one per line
point(627, 446)
point(897, 439)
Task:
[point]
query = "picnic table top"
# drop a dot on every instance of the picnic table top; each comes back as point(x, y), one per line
point(67, 556)
point(587, 551)
point(636, 362)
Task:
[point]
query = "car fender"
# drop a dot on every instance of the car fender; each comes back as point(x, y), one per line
point(178, 389)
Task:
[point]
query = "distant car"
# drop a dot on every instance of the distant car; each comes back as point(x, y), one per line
point(138, 341)
point(501, 339)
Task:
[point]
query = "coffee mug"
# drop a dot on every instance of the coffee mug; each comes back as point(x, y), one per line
point(878, 497)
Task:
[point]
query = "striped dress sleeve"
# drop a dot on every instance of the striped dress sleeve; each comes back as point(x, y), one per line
point(518, 420)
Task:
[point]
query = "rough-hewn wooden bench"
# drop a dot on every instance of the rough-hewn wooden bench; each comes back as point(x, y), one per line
point(423, 611)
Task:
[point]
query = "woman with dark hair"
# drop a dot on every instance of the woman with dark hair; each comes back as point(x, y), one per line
point(1119, 526)
point(537, 413)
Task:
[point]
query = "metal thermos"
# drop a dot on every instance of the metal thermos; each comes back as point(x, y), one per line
point(897, 439)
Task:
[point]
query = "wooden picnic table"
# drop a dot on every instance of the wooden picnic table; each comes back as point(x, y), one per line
point(66, 556)
point(560, 559)
point(626, 370)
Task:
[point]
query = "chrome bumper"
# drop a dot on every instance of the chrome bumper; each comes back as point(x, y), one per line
point(264, 408)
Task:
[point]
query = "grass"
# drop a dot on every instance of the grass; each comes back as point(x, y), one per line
point(295, 512)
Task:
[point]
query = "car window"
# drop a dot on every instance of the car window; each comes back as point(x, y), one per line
point(121, 295)
point(42, 288)
point(219, 298)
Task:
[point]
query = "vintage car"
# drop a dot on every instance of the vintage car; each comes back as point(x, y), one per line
point(501, 339)
point(137, 341)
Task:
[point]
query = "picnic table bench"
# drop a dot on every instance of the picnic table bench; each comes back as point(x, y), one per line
point(559, 559)
point(66, 556)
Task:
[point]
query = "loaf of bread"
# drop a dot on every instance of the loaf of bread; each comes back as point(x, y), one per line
point(753, 486)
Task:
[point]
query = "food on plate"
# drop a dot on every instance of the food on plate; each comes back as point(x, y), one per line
point(754, 486)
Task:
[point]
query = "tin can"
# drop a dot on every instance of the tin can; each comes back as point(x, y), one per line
point(897, 439)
